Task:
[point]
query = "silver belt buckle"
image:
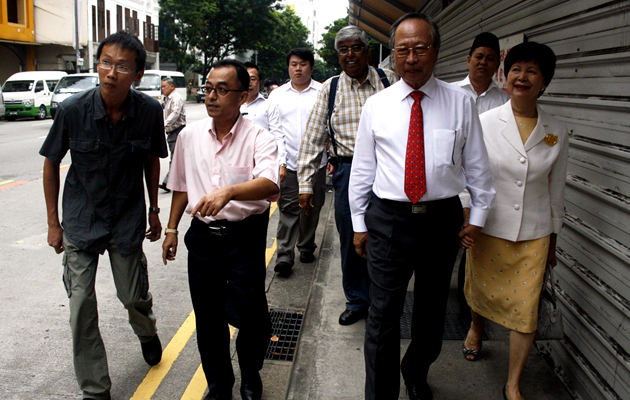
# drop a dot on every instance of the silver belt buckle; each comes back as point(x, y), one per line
point(218, 230)
point(418, 208)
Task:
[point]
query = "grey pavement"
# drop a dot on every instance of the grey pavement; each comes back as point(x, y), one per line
point(329, 360)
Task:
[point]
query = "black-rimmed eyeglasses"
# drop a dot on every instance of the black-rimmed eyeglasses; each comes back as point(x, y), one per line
point(356, 49)
point(221, 91)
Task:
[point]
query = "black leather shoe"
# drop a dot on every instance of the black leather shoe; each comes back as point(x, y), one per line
point(350, 317)
point(217, 396)
point(307, 257)
point(164, 188)
point(152, 351)
point(283, 268)
point(251, 387)
point(419, 391)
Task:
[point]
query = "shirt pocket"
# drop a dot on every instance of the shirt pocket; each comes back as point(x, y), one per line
point(444, 151)
point(85, 154)
point(233, 175)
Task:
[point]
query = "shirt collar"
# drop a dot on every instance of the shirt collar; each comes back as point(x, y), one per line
point(99, 107)
point(233, 130)
point(311, 86)
point(493, 85)
point(372, 78)
point(429, 88)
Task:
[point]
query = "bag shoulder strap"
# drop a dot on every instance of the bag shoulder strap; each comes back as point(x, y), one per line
point(384, 79)
point(331, 105)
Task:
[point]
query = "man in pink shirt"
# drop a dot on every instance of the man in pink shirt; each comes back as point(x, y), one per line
point(224, 173)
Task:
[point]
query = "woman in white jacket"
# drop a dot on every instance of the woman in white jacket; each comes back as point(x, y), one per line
point(527, 149)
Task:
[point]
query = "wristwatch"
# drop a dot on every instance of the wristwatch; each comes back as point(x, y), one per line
point(283, 165)
point(171, 230)
point(154, 209)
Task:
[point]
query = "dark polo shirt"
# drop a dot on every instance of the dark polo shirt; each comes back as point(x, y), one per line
point(103, 195)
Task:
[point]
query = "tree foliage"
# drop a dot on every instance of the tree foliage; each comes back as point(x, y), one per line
point(288, 33)
point(201, 32)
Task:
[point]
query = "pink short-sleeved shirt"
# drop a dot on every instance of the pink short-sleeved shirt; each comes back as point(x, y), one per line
point(201, 164)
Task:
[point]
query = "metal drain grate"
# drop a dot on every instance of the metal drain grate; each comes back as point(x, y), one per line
point(285, 326)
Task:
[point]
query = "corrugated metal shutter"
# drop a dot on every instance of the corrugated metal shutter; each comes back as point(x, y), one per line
point(590, 93)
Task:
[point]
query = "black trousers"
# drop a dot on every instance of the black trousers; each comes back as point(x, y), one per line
point(400, 243)
point(226, 275)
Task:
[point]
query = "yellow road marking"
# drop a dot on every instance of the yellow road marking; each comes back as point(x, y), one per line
point(9, 181)
point(157, 373)
point(198, 384)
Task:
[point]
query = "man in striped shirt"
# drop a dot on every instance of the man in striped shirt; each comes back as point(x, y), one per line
point(356, 84)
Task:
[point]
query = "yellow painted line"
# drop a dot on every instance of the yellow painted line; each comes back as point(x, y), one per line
point(197, 386)
point(270, 252)
point(274, 207)
point(9, 181)
point(157, 373)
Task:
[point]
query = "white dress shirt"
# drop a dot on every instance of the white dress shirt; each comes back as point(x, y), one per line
point(493, 97)
point(455, 154)
point(292, 109)
point(174, 112)
point(257, 111)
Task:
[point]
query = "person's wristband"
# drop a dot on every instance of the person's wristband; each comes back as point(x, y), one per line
point(154, 209)
point(171, 230)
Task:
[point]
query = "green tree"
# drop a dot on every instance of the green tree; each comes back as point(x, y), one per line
point(288, 33)
point(209, 30)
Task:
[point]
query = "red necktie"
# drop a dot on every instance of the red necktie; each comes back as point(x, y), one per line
point(415, 176)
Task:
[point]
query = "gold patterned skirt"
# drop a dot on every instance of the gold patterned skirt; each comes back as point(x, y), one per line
point(504, 280)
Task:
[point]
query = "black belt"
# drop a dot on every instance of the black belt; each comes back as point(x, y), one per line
point(224, 227)
point(421, 207)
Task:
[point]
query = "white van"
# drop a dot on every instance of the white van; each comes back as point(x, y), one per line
point(28, 94)
point(69, 85)
point(152, 80)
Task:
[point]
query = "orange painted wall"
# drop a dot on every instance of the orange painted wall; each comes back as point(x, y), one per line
point(16, 32)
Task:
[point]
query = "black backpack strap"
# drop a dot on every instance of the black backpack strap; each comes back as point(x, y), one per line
point(384, 79)
point(331, 105)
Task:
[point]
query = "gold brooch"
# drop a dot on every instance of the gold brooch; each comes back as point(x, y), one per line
point(551, 140)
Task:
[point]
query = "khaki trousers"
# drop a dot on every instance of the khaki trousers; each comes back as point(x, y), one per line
point(132, 287)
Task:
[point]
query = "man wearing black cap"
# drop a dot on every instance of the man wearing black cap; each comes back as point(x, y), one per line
point(483, 61)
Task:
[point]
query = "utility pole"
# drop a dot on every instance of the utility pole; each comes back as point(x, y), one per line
point(76, 36)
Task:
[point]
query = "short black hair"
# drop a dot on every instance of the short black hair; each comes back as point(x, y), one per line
point(532, 51)
point(249, 65)
point(241, 71)
point(435, 33)
point(269, 82)
point(303, 53)
point(125, 41)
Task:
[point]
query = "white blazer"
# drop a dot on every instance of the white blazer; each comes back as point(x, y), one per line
point(529, 178)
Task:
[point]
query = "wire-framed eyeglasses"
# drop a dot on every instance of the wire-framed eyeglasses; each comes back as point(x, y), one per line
point(419, 51)
point(121, 69)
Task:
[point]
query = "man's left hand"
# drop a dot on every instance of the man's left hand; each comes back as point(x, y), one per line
point(212, 203)
point(468, 235)
point(360, 243)
point(155, 227)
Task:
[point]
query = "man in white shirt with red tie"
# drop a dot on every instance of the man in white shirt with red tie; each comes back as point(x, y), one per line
point(419, 144)
point(289, 108)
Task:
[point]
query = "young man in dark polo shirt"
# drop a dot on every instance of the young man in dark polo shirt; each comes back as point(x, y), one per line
point(115, 136)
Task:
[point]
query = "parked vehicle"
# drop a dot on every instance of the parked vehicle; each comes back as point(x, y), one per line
point(201, 95)
point(28, 94)
point(69, 85)
point(1, 104)
point(152, 80)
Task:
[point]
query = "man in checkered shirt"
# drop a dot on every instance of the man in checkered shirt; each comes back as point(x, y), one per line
point(356, 84)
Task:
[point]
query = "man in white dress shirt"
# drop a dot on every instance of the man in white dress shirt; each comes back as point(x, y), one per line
point(255, 107)
point(174, 118)
point(483, 62)
point(412, 224)
point(291, 105)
